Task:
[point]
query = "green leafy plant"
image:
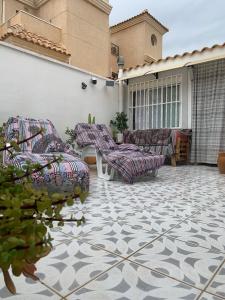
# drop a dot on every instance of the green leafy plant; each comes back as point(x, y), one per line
point(71, 137)
point(91, 120)
point(25, 216)
point(119, 122)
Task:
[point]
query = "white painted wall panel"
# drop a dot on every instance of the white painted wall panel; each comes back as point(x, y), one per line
point(31, 86)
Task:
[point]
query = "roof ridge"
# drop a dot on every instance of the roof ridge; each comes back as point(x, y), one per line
point(138, 15)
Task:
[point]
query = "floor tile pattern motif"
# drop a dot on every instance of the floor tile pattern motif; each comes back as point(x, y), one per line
point(161, 238)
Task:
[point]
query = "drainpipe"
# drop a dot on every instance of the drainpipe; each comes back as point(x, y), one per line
point(196, 115)
point(120, 63)
point(190, 95)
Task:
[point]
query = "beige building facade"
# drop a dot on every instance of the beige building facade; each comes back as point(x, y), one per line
point(78, 32)
point(77, 27)
point(139, 40)
point(85, 31)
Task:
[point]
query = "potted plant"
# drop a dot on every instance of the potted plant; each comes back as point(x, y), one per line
point(90, 160)
point(91, 120)
point(120, 124)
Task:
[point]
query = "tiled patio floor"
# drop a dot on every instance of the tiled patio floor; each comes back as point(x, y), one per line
point(161, 238)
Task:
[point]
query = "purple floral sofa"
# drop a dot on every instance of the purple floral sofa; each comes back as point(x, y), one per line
point(128, 160)
point(65, 175)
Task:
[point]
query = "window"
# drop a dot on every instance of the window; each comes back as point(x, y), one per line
point(115, 50)
point(155, 103)
point(154, 40)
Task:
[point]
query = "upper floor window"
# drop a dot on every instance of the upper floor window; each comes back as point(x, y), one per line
point(115, 50)
point(154, 40)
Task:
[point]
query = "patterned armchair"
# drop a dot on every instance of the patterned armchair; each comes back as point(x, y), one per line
point(69, 173)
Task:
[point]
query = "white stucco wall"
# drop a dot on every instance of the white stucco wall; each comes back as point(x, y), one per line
point(186, 101)
point(36, 87)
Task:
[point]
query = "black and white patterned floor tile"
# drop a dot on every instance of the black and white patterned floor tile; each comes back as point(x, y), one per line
point(120, 238)
point(150, 221)
point(73, 264)
point(207, 296)
point(130, 281)
point(200, 234)
point(27, 289)
point(185, 262)
point(214, 215)
point(161, 238)
point(218, 284)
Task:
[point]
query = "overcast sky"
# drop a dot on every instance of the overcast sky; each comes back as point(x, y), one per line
point(192, 24)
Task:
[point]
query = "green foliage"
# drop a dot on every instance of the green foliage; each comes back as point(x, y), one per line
point(90, 119)
point(71, 134)
point(120, 122)
point(25, 216)
point(71, 137)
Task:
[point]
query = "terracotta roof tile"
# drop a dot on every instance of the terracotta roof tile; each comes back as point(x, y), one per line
point(142, 13)
point(179, 56)
point(20, 32)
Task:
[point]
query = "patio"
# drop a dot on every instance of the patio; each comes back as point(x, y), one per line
point(162, 238)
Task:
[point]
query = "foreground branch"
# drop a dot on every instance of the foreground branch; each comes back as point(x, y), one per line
point(5, 148)
point(54, 203)
point(28, 174)
point(39, 169)
point(45, 219)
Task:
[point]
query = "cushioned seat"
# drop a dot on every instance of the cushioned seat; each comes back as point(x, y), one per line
point(133, 163)
point(65, 175)
point(127, 159)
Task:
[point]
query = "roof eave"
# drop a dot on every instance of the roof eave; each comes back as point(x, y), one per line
point(178, 61)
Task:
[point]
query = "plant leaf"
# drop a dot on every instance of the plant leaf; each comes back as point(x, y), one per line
point(8, 282)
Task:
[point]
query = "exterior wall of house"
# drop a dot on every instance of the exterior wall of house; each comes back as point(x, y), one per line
point(41, 88)
point(54, 11)
point(12, 6)
point(87, 36)
point(37, 48)
point(35, 25)
point(85, 32)
point(1, 11)
point(186, 92)
point(133, 37)
point(85, 29)
point(153, 51)
point(131, 42)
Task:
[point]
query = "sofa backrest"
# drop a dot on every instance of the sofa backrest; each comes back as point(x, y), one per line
point(20, 128)
point(156, 137)
point(94, 135)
